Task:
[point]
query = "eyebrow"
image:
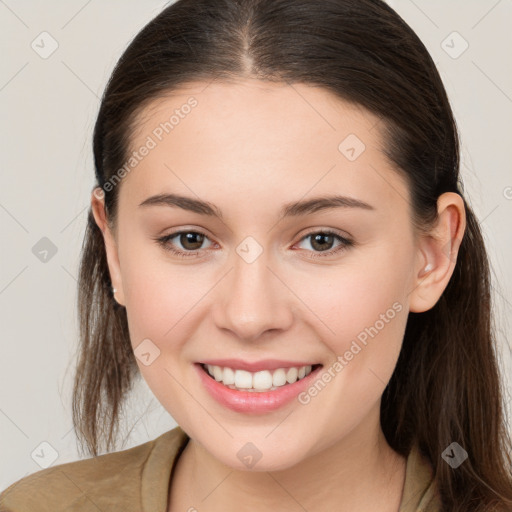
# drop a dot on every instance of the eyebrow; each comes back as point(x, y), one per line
point(294, 209)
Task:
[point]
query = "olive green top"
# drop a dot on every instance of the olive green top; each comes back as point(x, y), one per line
point(137, 480)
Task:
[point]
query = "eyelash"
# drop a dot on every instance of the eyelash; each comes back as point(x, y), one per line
point(345, 243)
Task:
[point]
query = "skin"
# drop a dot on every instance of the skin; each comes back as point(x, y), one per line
point(249, 147)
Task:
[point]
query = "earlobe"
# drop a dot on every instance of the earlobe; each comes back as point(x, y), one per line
point(98, 211)
point(437, 253)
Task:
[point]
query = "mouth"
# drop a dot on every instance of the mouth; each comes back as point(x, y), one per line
point(256, 392)
point(261, 381)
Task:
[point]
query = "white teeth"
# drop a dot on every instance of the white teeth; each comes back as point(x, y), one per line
point(229, 376)
point(218, 373)
point(264, 380)
point(279, 377)
point(243, 379)
point(291, 375)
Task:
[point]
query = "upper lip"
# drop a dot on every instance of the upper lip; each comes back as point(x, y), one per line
point(256, 366)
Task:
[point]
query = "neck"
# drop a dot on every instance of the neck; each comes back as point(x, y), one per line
point(359, 472)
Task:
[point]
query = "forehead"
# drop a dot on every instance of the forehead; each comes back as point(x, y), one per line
point(258, 106)
point(253, 138)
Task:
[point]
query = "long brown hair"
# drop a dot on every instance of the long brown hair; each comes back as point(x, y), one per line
point(446, 386)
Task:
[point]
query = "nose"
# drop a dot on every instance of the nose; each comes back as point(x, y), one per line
point(253, 300)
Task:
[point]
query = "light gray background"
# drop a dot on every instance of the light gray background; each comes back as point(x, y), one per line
point(48, 112)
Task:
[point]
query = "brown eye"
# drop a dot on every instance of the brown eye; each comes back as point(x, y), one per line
point(191, 240)
point(186, 243)
point(322, 243)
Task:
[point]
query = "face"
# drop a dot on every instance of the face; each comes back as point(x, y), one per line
point(252, 279)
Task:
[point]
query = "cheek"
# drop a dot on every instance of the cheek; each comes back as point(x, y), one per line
point(361, 312)
point(163, 301)
point(363, 308)
point(160, 301)
point(158, 289)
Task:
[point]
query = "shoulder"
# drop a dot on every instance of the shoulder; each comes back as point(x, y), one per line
point(111, 481)
point(420, 492)
point(77, 485)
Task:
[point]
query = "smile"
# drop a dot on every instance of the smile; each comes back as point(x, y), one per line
point(265, 380)
point(256, 392)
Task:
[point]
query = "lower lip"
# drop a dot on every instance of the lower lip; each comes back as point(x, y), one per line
point(257, 401)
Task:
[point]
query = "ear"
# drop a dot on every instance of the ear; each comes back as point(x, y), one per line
point(437, 253)
point(98, 210)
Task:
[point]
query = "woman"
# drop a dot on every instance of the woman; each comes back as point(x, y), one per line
point(278, 241)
